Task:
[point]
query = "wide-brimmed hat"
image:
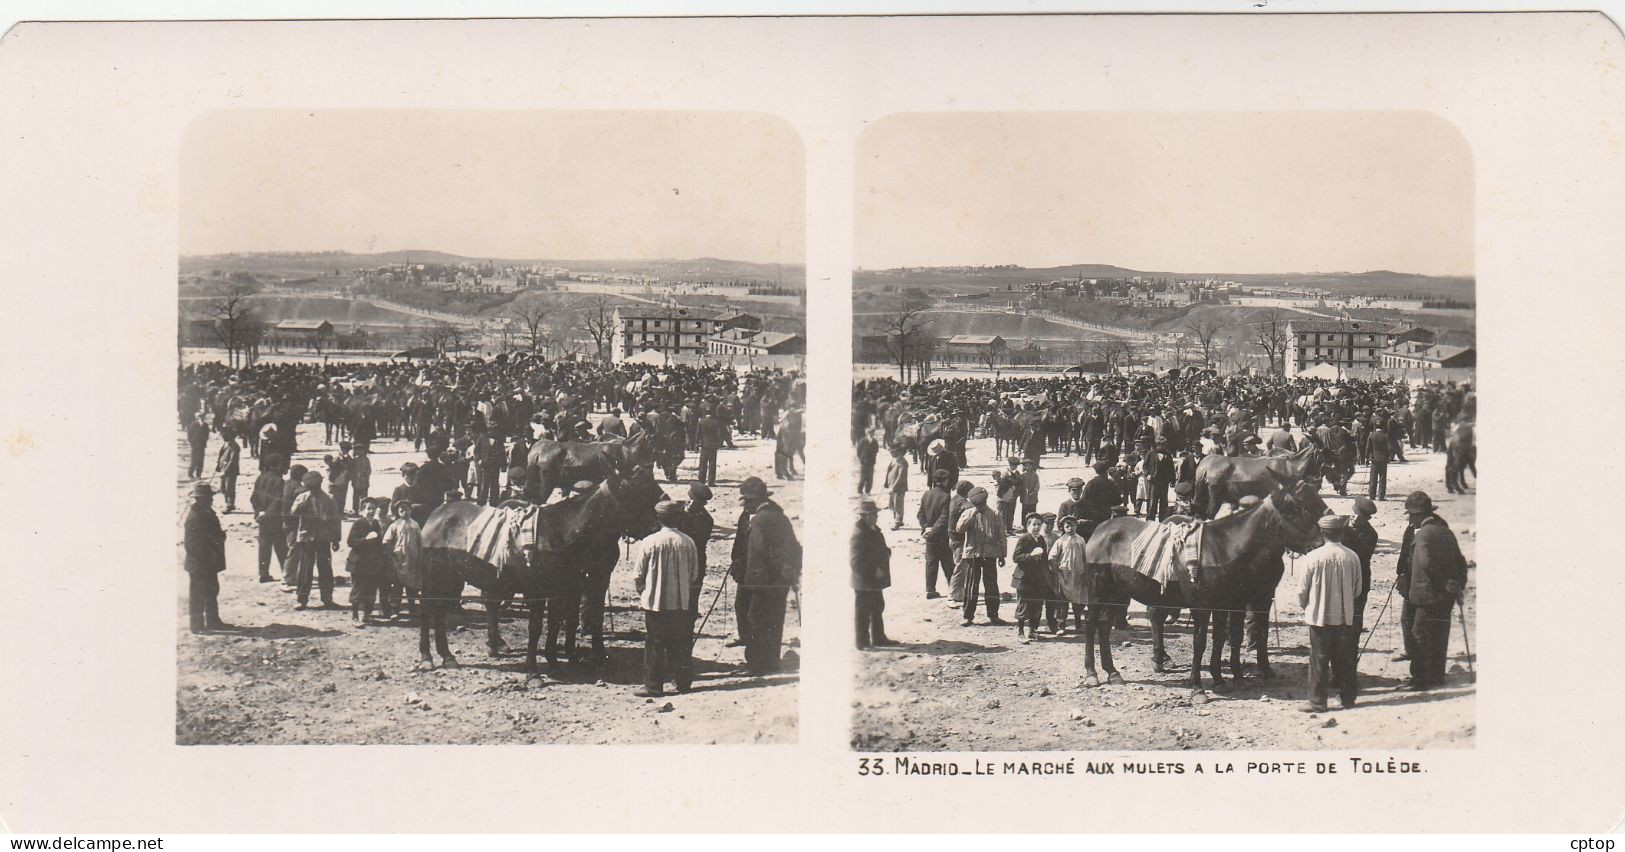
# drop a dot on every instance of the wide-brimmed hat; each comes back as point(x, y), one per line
point(867, 507)
point(1419, 502)
point(937, 447)
point(202, 489)
point(753, 487)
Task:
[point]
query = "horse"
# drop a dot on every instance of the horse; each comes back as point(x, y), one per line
point(1006, 433)
point(573, 537)
point(1240, 566)
point(1226, 479)
point(558, 464)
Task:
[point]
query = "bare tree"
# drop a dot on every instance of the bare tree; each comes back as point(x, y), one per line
point(1115, 352)
point(442, 337)
point(532, 316)
point(599, 323)
point(907, 332)
point(990, 357)
point(1272, 340)
point(1206, 333)
point(235, 321)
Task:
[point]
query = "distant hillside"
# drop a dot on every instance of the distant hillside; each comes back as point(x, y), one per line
point(971, 279)
point(287, 264)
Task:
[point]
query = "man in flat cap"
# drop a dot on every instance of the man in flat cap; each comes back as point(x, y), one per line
point(1431, 575)
point(315, 520)
point(1328, 585)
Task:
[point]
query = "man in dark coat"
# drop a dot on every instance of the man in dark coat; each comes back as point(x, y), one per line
point(712, 436)
point(1378, 455)
point(772, 569)
point(294, 487)
point(266, 501)
point(933, 517)
point(738, 559)
point(871, 576)
point(696, 523)
point(1100, 494)
point(1431, 575)
point(868, 450)
point(197, 438)
point(227, 466)
point(205, 559)
point(1361, 538)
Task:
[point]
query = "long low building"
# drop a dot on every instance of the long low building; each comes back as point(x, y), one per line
point(1428, 356)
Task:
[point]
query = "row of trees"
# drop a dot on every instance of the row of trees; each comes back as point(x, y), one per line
point(911, 345)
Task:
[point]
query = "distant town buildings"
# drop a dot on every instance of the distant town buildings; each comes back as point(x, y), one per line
point(1344, 344)
point(1428, 356)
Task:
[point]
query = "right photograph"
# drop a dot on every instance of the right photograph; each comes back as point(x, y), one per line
point(1162, 432)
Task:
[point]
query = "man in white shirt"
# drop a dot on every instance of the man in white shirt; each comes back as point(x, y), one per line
point(1329, 584)
point(668, 569)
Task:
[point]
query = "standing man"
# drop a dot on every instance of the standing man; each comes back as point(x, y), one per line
point(197, 438)
point(1431, 575)
point(205, 559)
point(1361, 538)
point(1008, 485)
point(315, 519)
point(266, 501)
point(668, 576)
point(360, 476)
point(738, 561)
point(871, 576)
point(773, 567)
point(933, 517)
point(984, 552)
point(712, 435)
point(226, 466)
point(1378, 454)
point(1029, 490)
point(338, 475)
point(697, 523)
point(1327, 591)
point(868, 450)
point(1159, 475)
point(291, 490)
point(897, 485)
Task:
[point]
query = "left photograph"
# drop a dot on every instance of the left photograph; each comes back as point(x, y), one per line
point(489, 427)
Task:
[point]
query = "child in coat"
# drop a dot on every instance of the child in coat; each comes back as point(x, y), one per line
point(366, 563)
point(1031, 578)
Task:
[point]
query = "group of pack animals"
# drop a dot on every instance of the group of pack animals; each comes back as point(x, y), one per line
point(1241, 556)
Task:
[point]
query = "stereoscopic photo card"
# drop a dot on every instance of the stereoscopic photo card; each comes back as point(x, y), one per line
point(834, 423)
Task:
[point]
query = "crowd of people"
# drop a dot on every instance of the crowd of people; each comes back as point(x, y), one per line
point(1143, 440)
point(476, 421)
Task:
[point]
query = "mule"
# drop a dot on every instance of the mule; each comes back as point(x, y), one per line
point(1240, 566)
point(1227, 479)
point(554, 465)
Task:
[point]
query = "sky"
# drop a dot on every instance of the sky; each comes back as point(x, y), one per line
point(1168, 192)
point(495, 184)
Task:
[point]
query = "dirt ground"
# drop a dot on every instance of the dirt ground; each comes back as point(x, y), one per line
point(284, 676)
point(956, 688)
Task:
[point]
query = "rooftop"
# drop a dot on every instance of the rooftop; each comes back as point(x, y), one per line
point(1340, 326)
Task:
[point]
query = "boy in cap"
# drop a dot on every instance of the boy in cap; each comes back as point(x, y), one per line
point(205, 558)
point(871, 576)
point(404, 541)
point(668, 569)
point(367, 564)
point(1030, 577)
point(1329, 583)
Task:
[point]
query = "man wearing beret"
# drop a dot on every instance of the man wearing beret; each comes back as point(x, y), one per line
point(1431, 575)
point(1329, 584)
point(205, 558)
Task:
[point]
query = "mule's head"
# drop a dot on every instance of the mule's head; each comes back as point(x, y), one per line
point(1299, 509)
point(635, 493)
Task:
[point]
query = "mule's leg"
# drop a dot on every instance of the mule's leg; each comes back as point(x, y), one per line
point(425, 662)
point(493, 621)
point(1091, 616)
point(1159, 653)
point(554, 611)
point(1221, 629)
point(443, 615)
point(533, 633)
point(1262, 611)
point(1105, 628)
point(1199, 617)
point(1236, 621)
